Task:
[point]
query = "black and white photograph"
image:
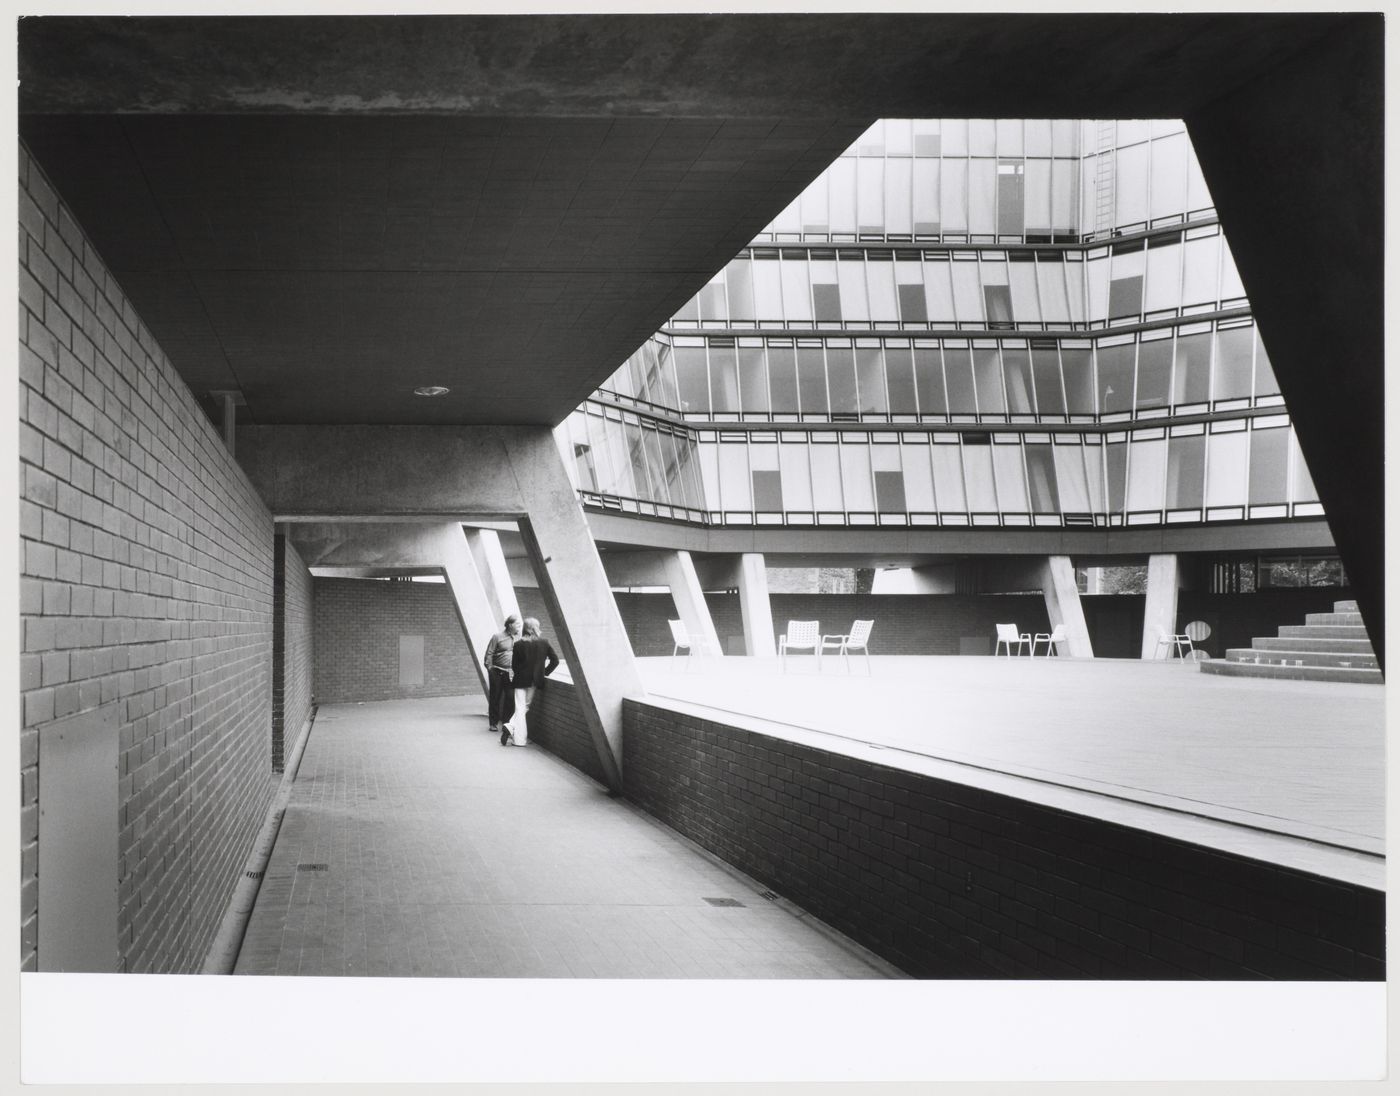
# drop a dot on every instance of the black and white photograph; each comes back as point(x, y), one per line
point(683, 546)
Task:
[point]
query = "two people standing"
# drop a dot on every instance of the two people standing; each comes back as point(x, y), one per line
point(516, 665)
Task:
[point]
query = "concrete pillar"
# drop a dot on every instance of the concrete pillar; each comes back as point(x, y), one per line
point(755, 607)
point(480, 619)
point(485, 545)
point(690, 599)
point(1159, 615)
point(1063, 606)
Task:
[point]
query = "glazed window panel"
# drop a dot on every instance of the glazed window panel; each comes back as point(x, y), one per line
point(998, 302)
point(1154, 373)
point(797, 290)
point(1268, 466)
point(1265, 383)
point(1011, 197)
point(1050, 280)
point(1303, 488)
point(790, 219)
point(1186, 472)
point(614, 467)
point(1075, 287)
point(870, 372)
point(977, 470)
point(1234, 364)
point(851, 278)
point(889, 479)
point(938, 291)
point(1078, 367)
point(826, 477)
point(841, 181)
point(665, 391)
point(1042, 480)
point(898, 137)
point(1125, 297)
point(712, 302)
point(981, 137)
point(690, 310)
point(1010, 139)
point(1197, 193)
point(782, 379)
point(1200, 278)
point(739, 275)
point(926, 136)
point(855, 477)
point(879, 277)
point(1038, 137)
point(918, 478)
point(636, 452)
point(811, 380)
point(928, 375)
point(898, 184)
point(694, 379)
point(967, 293)
point(585, 466)
point(1163, 278)
point(826, 295)
point(768, 290)
point(991, 397)
point(899, 377)
point(1169, 175)
point(1130, 186)
point(1115, 462)
point(659, 468)
point(1115, 367)
point(954, 131)
point(841, 379)
point(926, 215)
point(735, 492)
point(689, 455)
point(753, 379)
point(1038, 180)
point(1096, 287)
point(1230, 284)
point(912, 306)
point(1064, 194)
point(1071, 481)
point(767, 479)
point(1049, 394)
point(724, 381)
point(954, 207)
point(815, 216)
point(1020, 399)
point(1024, 305)
point(796, 476)
point(962, 394)
point(1226, 468)
point(948, 477)
point(982, 192)
point(1191, 376)
point(870, 195)
point(709, 475)
point(1011, 478)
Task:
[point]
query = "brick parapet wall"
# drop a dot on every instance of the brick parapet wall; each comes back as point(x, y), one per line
point(293, 657)
point(557, 725)
point(146, 583)
point(950, 881)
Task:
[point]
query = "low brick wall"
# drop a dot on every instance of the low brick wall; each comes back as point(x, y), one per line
point(557, 725)
point(950, 881)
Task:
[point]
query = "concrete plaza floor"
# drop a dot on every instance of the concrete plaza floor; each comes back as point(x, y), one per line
point(415, 845)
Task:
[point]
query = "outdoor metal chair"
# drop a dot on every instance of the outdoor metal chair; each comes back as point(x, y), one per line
point(1008, 635)
point(801, 635)
point(857, 640)
point(1051, 640)
point(1181, 643)
point(682, 637)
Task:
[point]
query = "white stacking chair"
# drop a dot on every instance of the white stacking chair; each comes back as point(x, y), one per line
point(1050, 639)
point(857, 640)
point(1008, 635)
point(801, 635)
point(1182, 644)
point(682, 637)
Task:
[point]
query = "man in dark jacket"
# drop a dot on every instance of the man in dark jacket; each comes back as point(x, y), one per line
point(500, 701)
point(532, 660)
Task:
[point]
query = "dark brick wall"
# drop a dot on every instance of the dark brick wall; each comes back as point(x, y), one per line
point(146, 582)
point(557, 725)
point(947, 881)
point(292, 657)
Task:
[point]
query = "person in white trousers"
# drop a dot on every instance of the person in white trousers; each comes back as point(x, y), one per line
point(532, 660)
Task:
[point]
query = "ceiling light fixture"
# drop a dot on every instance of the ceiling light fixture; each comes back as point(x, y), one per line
point(431, 390)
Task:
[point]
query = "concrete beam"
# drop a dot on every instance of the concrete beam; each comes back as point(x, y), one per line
point(754, 605)
point(1063, 606)
point(1159, 613)
point(452, 474)
point(690, 599)
point(491, 565)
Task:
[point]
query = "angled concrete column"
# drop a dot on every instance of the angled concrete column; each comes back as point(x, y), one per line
point(485, 545)
point(1063, 606)
point(690, 599)
point(479, 617)
point(755, 607)
point(1159, 615)
point(432, 474)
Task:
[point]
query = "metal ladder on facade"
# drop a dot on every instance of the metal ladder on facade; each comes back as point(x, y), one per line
point(1104, 177)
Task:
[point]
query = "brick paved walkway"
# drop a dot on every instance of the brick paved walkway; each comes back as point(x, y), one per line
point(414, 845)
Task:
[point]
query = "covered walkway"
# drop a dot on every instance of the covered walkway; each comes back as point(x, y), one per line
point(414, 845)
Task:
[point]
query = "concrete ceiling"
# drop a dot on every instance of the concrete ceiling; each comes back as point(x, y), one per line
point(322, 214)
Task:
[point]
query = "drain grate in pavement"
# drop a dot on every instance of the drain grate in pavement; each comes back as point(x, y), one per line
point(724, 902)
point(313, 867)
point(771, 896)
point(253, 874)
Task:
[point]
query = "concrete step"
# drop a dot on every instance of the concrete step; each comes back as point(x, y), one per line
point(1333, 618)
point(1325, 631)
point(1312, 658)
point(1345, 607)
point(1305, 643)
point(1293, 673)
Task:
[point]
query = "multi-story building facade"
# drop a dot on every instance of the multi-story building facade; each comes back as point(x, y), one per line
point(975, 325)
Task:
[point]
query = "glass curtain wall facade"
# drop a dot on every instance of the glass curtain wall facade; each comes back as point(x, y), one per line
point(962, 322)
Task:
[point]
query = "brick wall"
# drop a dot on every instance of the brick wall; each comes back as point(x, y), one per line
point(948, 881)
point(292, 650)
point(146, 583)
point(557, 725)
